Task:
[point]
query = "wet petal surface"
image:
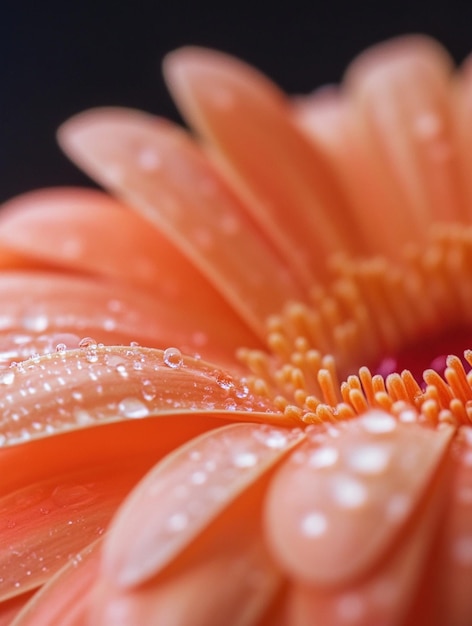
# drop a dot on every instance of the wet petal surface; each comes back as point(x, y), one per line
point(346, 495)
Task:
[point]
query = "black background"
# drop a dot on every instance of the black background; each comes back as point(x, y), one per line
point(58, 58)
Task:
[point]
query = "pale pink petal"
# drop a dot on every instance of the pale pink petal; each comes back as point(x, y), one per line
point(183, 494)
point(186, 199)
point(340, 504)
point(284, 181)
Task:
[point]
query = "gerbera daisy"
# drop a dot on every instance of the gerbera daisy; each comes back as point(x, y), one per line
point(302, 270)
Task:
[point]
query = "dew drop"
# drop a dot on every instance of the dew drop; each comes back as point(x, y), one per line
point(368, 459)
point(245, 459)
point(132, 407)
point(177, 522)
point(224, 381)
point(314, 524)
point(91, 355)
point(86, 342)
point(349, 492)
point(37, 323)
point(61, 347)
point(7, 378)
point(327, 456)
point(378, 422)
point(198, 478)
point(462, 550)
point(173, 357)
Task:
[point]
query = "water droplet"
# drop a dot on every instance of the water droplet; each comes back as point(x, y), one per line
point(326, 456)
point(148, 390)
point(35, 357)
point(378, 422)
point(462, 550)
point(91, 354)
point(86, 342)
point(224, 381)
point(109, 324)
point(7, 378)
point(368, 459)
point(314, 524)
point(149, 159)
point(121, 369)
point(198, 478)
point(349, 492)
point(173, 357)
point(61, 347)
point(177, 522)
point(37, 323)
point(245, 459)
point(134, 344)
point(132, 407)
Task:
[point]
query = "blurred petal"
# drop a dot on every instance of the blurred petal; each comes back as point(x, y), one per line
point(347, 495)
point(53, 506)
point(40, 311)
point(185, 493)
point(386, 595)
point(285, 183)
point(453, 600)
point(184, 197)
point(62, 601)
point(391, 138)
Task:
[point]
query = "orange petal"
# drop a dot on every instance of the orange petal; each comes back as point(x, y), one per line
point(337, 507)
point(182, 496)
point(95, 385)
point(454, 568)
point(10, 608)
point(58, 493)
point(285, 183)
point(186, 199)
point(401, 92)
point(51, 508)
point(40, 311)
point(386, 596)
point(231, 585)
point(62, 601)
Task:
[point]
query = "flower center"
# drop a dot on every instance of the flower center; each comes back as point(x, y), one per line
point(410, 323)
point(429, 353)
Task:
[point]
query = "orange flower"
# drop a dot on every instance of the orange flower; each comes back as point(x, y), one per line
point(330, 236)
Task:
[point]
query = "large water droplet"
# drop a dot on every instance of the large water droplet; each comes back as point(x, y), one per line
point(173, 357)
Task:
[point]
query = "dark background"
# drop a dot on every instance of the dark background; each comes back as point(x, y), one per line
point(58, 58)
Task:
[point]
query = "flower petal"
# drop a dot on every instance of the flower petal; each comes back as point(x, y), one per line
point(387, 594)
point(229, 584)
point(96, 384)
point(454, 568)
point(182, 495)
point(186, 199)
point(285, 183)
point(62, 601)
point(401, 91)
point(347, 494)
point(40, 311)
point(59, 493)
